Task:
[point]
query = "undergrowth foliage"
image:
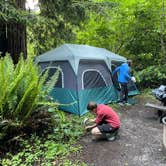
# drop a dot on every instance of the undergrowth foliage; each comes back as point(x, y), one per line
point(49, 149)
point(151, 77)
point(21, 95)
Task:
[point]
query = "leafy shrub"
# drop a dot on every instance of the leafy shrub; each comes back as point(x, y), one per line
point(21, 95)
point(151, 77)
point(140, 61)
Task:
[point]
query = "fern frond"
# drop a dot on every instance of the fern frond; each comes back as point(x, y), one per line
point(52, 81)
point(6, 74)
point(28, 98)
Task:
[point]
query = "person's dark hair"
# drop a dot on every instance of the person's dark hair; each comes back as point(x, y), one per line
point(129, 61)
point(91, 105)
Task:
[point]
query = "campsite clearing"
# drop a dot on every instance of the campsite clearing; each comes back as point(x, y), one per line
point(140, 142)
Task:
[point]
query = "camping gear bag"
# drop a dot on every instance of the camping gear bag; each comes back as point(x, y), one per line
point(160, 94)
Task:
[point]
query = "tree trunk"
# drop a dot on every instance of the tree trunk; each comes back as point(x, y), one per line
point(16, 40)
point(16, 35)
point(3, 39)
point(13, 36)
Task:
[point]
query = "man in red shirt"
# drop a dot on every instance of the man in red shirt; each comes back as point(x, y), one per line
point(107, 121)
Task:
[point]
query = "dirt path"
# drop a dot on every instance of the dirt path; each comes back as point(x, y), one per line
point(140, 142)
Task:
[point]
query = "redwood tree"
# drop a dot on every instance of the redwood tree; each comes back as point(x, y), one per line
point(13, 29)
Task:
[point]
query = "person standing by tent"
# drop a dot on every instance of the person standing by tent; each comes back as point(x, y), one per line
point(123, 78)
point(106, 123)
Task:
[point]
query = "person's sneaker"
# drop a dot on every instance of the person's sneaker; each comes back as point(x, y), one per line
point(112, 138)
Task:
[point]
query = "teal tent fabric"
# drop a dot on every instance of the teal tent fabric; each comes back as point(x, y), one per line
point(74, 52)
point(76, 102)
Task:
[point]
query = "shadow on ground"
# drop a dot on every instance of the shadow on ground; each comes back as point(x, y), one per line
point(140, 142)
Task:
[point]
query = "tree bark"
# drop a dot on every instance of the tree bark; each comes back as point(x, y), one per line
point(16, 35)
point(13, 36)
point(3, 39)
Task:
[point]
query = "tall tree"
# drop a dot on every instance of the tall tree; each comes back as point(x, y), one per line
point(131, 28)
point(56, 23)
point(59, 20)
point(17, 35)
point(13, 29)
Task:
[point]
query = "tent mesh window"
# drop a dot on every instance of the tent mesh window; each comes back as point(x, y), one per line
point(51, 72)
point(93, 79)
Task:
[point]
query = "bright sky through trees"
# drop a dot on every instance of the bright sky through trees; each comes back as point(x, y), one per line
point(32, 5)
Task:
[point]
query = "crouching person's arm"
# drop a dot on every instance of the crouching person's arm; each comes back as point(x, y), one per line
point(90, 127)
point(91, 124)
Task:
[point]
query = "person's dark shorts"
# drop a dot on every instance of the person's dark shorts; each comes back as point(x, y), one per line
point(106, 128)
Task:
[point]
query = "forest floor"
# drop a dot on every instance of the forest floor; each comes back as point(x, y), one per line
point(140, 142)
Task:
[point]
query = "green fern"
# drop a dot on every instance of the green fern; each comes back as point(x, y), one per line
point(21, 89)
point(6, 72)
point(25, 104)
point(51, 83)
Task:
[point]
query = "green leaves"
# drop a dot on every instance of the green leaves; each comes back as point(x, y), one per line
point(52, 149)
point(151, 77)
point(9, 12)
point(131, 29)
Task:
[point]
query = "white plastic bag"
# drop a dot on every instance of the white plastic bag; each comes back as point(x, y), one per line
point(133, 79)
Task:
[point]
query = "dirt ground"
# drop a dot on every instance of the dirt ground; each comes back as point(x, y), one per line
point(140, 142)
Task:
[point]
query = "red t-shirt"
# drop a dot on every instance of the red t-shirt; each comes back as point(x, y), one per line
point(105, 114)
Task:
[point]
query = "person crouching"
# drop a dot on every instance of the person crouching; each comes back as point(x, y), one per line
point(107, 122)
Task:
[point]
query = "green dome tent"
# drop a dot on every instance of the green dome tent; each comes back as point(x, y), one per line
point(85, 75)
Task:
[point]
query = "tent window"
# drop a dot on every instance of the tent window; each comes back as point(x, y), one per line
point(51, 72)
point(92, 79)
